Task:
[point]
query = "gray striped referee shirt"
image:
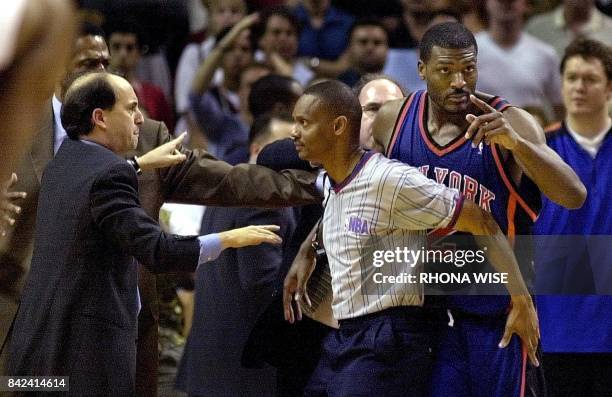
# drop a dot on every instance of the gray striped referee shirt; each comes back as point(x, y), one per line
point(384, 205)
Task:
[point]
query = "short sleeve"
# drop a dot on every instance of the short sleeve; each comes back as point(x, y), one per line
point(420, 203)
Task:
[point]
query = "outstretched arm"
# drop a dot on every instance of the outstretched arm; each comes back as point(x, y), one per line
point(164, 155)
point(518, 132)
point(202, 179)
point(117, 213)
point(522, 318)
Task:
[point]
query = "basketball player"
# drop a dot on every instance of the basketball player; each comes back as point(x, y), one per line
point(383, 345)
point(496, 155)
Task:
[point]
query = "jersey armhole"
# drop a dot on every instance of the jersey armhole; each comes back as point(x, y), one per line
point(399, 123)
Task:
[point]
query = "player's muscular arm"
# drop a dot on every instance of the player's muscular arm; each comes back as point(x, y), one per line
point(487, 233)
point(553, 176)
point(382, 127)
point(522, 318)
point(517, 131)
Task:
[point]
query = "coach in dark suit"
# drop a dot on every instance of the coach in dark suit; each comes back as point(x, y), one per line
point(200, 179)
point(79, 310)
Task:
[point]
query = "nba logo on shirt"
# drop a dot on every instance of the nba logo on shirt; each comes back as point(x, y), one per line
point(358, 225)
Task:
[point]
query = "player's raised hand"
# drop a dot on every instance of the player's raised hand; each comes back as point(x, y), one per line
point(490, 127)
point(250, 235)
point(164, 155)
point(8, 210)
point(294, 288)
point(523, 321)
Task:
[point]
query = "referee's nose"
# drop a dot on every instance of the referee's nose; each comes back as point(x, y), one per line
point(294, 132)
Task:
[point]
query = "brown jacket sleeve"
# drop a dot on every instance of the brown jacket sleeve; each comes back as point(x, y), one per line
point(203, 179)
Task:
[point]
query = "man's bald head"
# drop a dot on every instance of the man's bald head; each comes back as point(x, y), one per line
point(373, 93)
point(105, 107)
point(86, 93)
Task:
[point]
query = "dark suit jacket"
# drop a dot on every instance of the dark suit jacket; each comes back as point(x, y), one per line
point(79, 309)
point(229, 295)
point(201, 179)
point(292, 348)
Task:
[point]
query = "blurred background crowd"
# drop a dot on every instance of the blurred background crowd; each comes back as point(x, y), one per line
point(162, 46)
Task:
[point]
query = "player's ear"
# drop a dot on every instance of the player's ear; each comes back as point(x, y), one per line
point(421, 69)
point(340, 125)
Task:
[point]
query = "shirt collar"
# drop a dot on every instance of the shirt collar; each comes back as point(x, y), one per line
point(59, 133)
point(358, 167)
point(57, 107)
point(591, 145)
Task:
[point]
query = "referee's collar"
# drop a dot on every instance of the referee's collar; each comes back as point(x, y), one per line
point(362, 161)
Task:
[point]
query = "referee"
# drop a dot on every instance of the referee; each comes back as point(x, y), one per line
point(383, 345)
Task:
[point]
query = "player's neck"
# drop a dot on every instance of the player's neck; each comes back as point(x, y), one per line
point(342, 164)
point(589, 125)
point(439, 122)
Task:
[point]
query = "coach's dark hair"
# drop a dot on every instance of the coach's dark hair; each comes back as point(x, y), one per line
point(81, 100)
point(451, 35)
point(369, 77)
point(589, 48)
point(271, 90)
point(338, 99)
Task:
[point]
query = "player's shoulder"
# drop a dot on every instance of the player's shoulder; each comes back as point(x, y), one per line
point(384, 123)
